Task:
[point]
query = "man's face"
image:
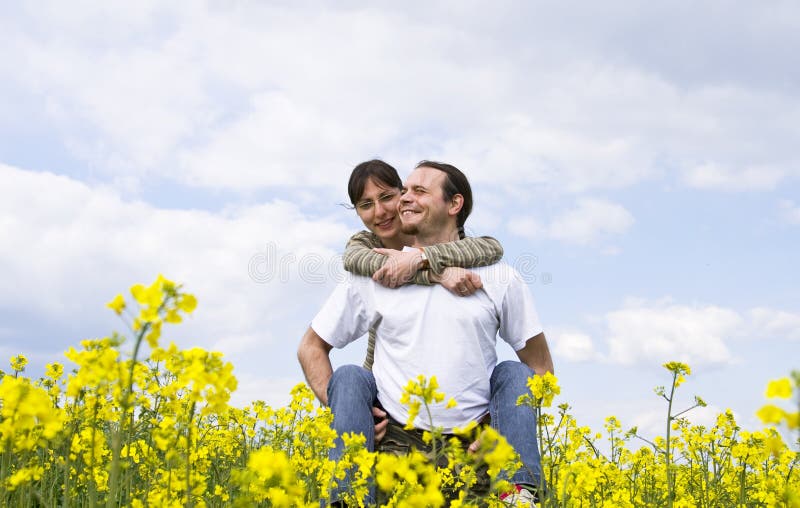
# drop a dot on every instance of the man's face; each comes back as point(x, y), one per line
point(423, 209)
point(377, 209)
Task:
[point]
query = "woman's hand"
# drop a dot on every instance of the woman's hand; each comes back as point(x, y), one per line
point(459, 281)
point(399, 268)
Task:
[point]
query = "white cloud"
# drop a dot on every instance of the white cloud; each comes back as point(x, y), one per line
point(711, 176)
point(589, 221)
point(572, 346)
point(663, 331)
point(70, 247)
point(268, 146)
point(790, 211)
point(648, 423)
point(654, 332)
point(525, 227)
point(270, 94)
point(775, 324)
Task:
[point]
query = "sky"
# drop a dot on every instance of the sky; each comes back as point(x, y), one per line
point(637, 161)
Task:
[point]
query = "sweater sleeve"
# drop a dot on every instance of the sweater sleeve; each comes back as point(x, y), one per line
point(359, 258)
point(465, 253)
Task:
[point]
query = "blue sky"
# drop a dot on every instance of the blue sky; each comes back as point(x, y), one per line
point(637, 161)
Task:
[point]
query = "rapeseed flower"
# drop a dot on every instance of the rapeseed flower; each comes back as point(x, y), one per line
point(780, 388)
point(18, 363)
point(161, 432)
point(117, 304)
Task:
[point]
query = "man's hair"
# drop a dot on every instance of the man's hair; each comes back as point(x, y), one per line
point(455, 182)
point(377, 169)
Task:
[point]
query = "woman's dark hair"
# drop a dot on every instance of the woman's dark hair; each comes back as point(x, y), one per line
point(454, 183)
point(377, 169)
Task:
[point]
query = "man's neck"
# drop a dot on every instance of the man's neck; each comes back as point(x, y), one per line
point(398, 242)
point(444, 236)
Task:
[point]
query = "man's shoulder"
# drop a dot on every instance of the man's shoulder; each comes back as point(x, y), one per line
point(356, 281)
point(500, 273)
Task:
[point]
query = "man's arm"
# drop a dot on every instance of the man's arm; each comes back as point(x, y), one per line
point(314, 356)
point(536, 355)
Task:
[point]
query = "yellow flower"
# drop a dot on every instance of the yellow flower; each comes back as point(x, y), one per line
point(678, 368)
point(544, 388)
point(187, 303)
point(139, 293)
point(771, 414)
point(781, 388)
point(18, 363)
point(117, 304)
point(27, 417)
point(54, 370)
point(25, 475)
point(154, 334)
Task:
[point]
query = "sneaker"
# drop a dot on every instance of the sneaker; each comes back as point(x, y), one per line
point(522, 498)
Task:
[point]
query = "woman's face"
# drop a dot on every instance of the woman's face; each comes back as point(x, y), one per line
point(377, 209)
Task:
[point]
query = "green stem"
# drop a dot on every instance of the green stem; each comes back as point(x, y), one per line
point(189, 500)
point(92, 486)
point(5, 466)
point(68, 466)
point(667, 450)
point(125, 404)
point(430, 422)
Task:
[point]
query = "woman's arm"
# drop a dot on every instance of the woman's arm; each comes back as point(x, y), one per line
point(361, 259)
point(465, 253)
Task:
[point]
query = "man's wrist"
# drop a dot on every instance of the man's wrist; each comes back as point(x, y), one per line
point(423, 263)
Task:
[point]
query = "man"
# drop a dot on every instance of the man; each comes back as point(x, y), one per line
point(427, 330)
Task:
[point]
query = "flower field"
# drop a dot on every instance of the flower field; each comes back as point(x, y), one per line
point(129, 422)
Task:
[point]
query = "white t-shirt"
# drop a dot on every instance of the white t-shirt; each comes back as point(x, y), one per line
point(428, 330)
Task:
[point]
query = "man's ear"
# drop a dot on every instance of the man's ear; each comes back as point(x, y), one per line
point(456, 203)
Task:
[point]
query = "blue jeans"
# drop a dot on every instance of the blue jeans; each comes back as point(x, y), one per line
point(516, 423)
point(352, 393)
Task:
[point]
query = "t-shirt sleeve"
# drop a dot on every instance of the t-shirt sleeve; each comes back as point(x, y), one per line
point(343, 318)
point(519, 320)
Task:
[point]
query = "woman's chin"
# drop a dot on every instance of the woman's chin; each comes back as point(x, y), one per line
point(385, 235)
